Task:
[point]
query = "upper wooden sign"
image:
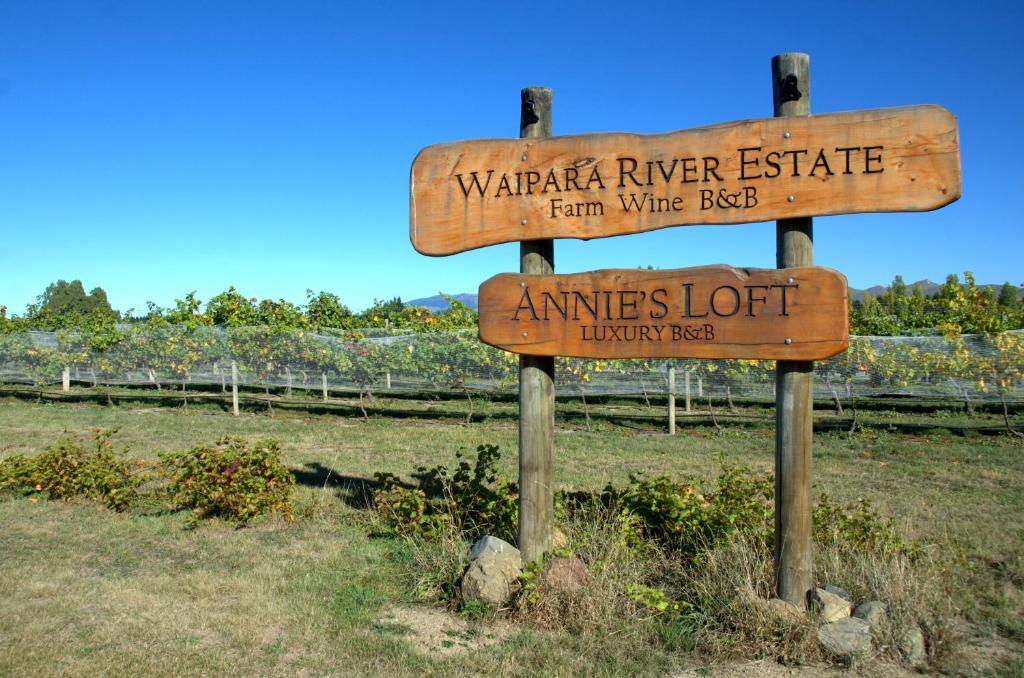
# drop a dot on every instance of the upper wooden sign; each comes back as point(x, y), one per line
point(470, 194)
point(705, 312)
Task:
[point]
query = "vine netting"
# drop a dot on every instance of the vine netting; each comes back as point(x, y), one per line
point(972, 367)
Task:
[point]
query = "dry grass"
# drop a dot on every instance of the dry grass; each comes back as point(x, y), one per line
point(87, 592)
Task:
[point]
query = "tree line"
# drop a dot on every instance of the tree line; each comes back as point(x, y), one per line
point(957, 307)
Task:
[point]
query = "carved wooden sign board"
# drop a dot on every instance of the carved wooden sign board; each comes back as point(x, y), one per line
point(705, 312)
point(472, 194)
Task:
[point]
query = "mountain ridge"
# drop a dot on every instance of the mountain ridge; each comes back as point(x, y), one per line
point(437, 303)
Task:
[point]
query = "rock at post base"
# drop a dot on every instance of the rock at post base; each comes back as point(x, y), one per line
point(873, 612)
point(784, 609)
point(846, 637)
point(828, 605)
point(494, 573)
point(492, 545)
point(842, 593)
point(566, 575)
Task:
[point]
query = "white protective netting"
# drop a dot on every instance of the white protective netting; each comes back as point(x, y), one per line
point(167, 356)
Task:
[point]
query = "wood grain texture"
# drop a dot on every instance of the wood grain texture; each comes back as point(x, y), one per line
point(536, 376)
point(908, 159)
point(794, 380)
point(632, 313)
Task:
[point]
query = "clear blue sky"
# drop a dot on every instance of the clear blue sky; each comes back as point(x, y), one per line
point(153, 148)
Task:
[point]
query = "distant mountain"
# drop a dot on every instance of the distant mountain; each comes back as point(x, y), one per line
point(927, 286)
point(437, 303)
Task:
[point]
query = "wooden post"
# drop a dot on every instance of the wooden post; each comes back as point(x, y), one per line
point(234, 388)
point(686, 387)
point(323, 380)
point(672, 400)
point(65, 379)
point(536, 376)
point(387, 380)
point(793, 401)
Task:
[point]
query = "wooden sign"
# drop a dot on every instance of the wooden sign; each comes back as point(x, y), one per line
point(704, 312)
point(475, 193)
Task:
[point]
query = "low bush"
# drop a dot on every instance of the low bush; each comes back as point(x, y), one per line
point(473, 498)
point(75, 467)
point(230, 479)
point(689, 521)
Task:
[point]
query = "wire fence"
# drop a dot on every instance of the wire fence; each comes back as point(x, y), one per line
point(968, 367)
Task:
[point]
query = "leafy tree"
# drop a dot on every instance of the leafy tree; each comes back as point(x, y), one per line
point(324, 309)
point(1007, 296)
point(231, 309)
point(65, 304)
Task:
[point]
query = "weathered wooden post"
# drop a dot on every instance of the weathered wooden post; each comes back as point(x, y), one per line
point(65, 379)
point(536, 374)
point(234, 388)
point(672, 400)
point(686, 387)
point(794, 379)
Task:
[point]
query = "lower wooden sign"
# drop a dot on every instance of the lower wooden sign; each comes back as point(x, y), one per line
point(704, 312)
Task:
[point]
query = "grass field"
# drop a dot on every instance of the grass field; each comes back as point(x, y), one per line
point(84, 591)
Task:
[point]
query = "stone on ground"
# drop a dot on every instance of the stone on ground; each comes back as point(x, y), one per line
point(490, 544)
point(494, 572)
point(565, 575)
point(836, 591)
point(873, 612)
point(785, 609)
point(829, 606)
point(846, 637)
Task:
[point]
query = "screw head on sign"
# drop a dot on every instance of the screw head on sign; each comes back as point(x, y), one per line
point(789, 281)
point(788, 341)
point(522, 284)
point(524, 157)
point(785, 135)
point(524, 334)
point(790, 198)
point(523, 222)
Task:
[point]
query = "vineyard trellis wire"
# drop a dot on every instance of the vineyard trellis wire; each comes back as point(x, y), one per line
point(967, 367)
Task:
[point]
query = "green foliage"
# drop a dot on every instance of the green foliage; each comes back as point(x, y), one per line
point(16, 473)
point(73, 468)
point(326, 310)
point(231, 479)
point(678, 515)
point(65, 304)
point(473, 499)
point(404, 509)
point(856, 526)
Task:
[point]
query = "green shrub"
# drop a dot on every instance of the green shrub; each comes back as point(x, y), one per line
point(404, 509)
point(16, 473)
point(73, 468)
point(678, 515)
point(856, 525)
point(474, 499)
point(230, 479)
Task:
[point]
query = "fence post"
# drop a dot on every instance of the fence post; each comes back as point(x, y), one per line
point(234, 388)
point(793, 399)
point(323, 379)
point(387, 380)
point(536, 376)
point(686, 387)
point(65, 379)
point(672, 400)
